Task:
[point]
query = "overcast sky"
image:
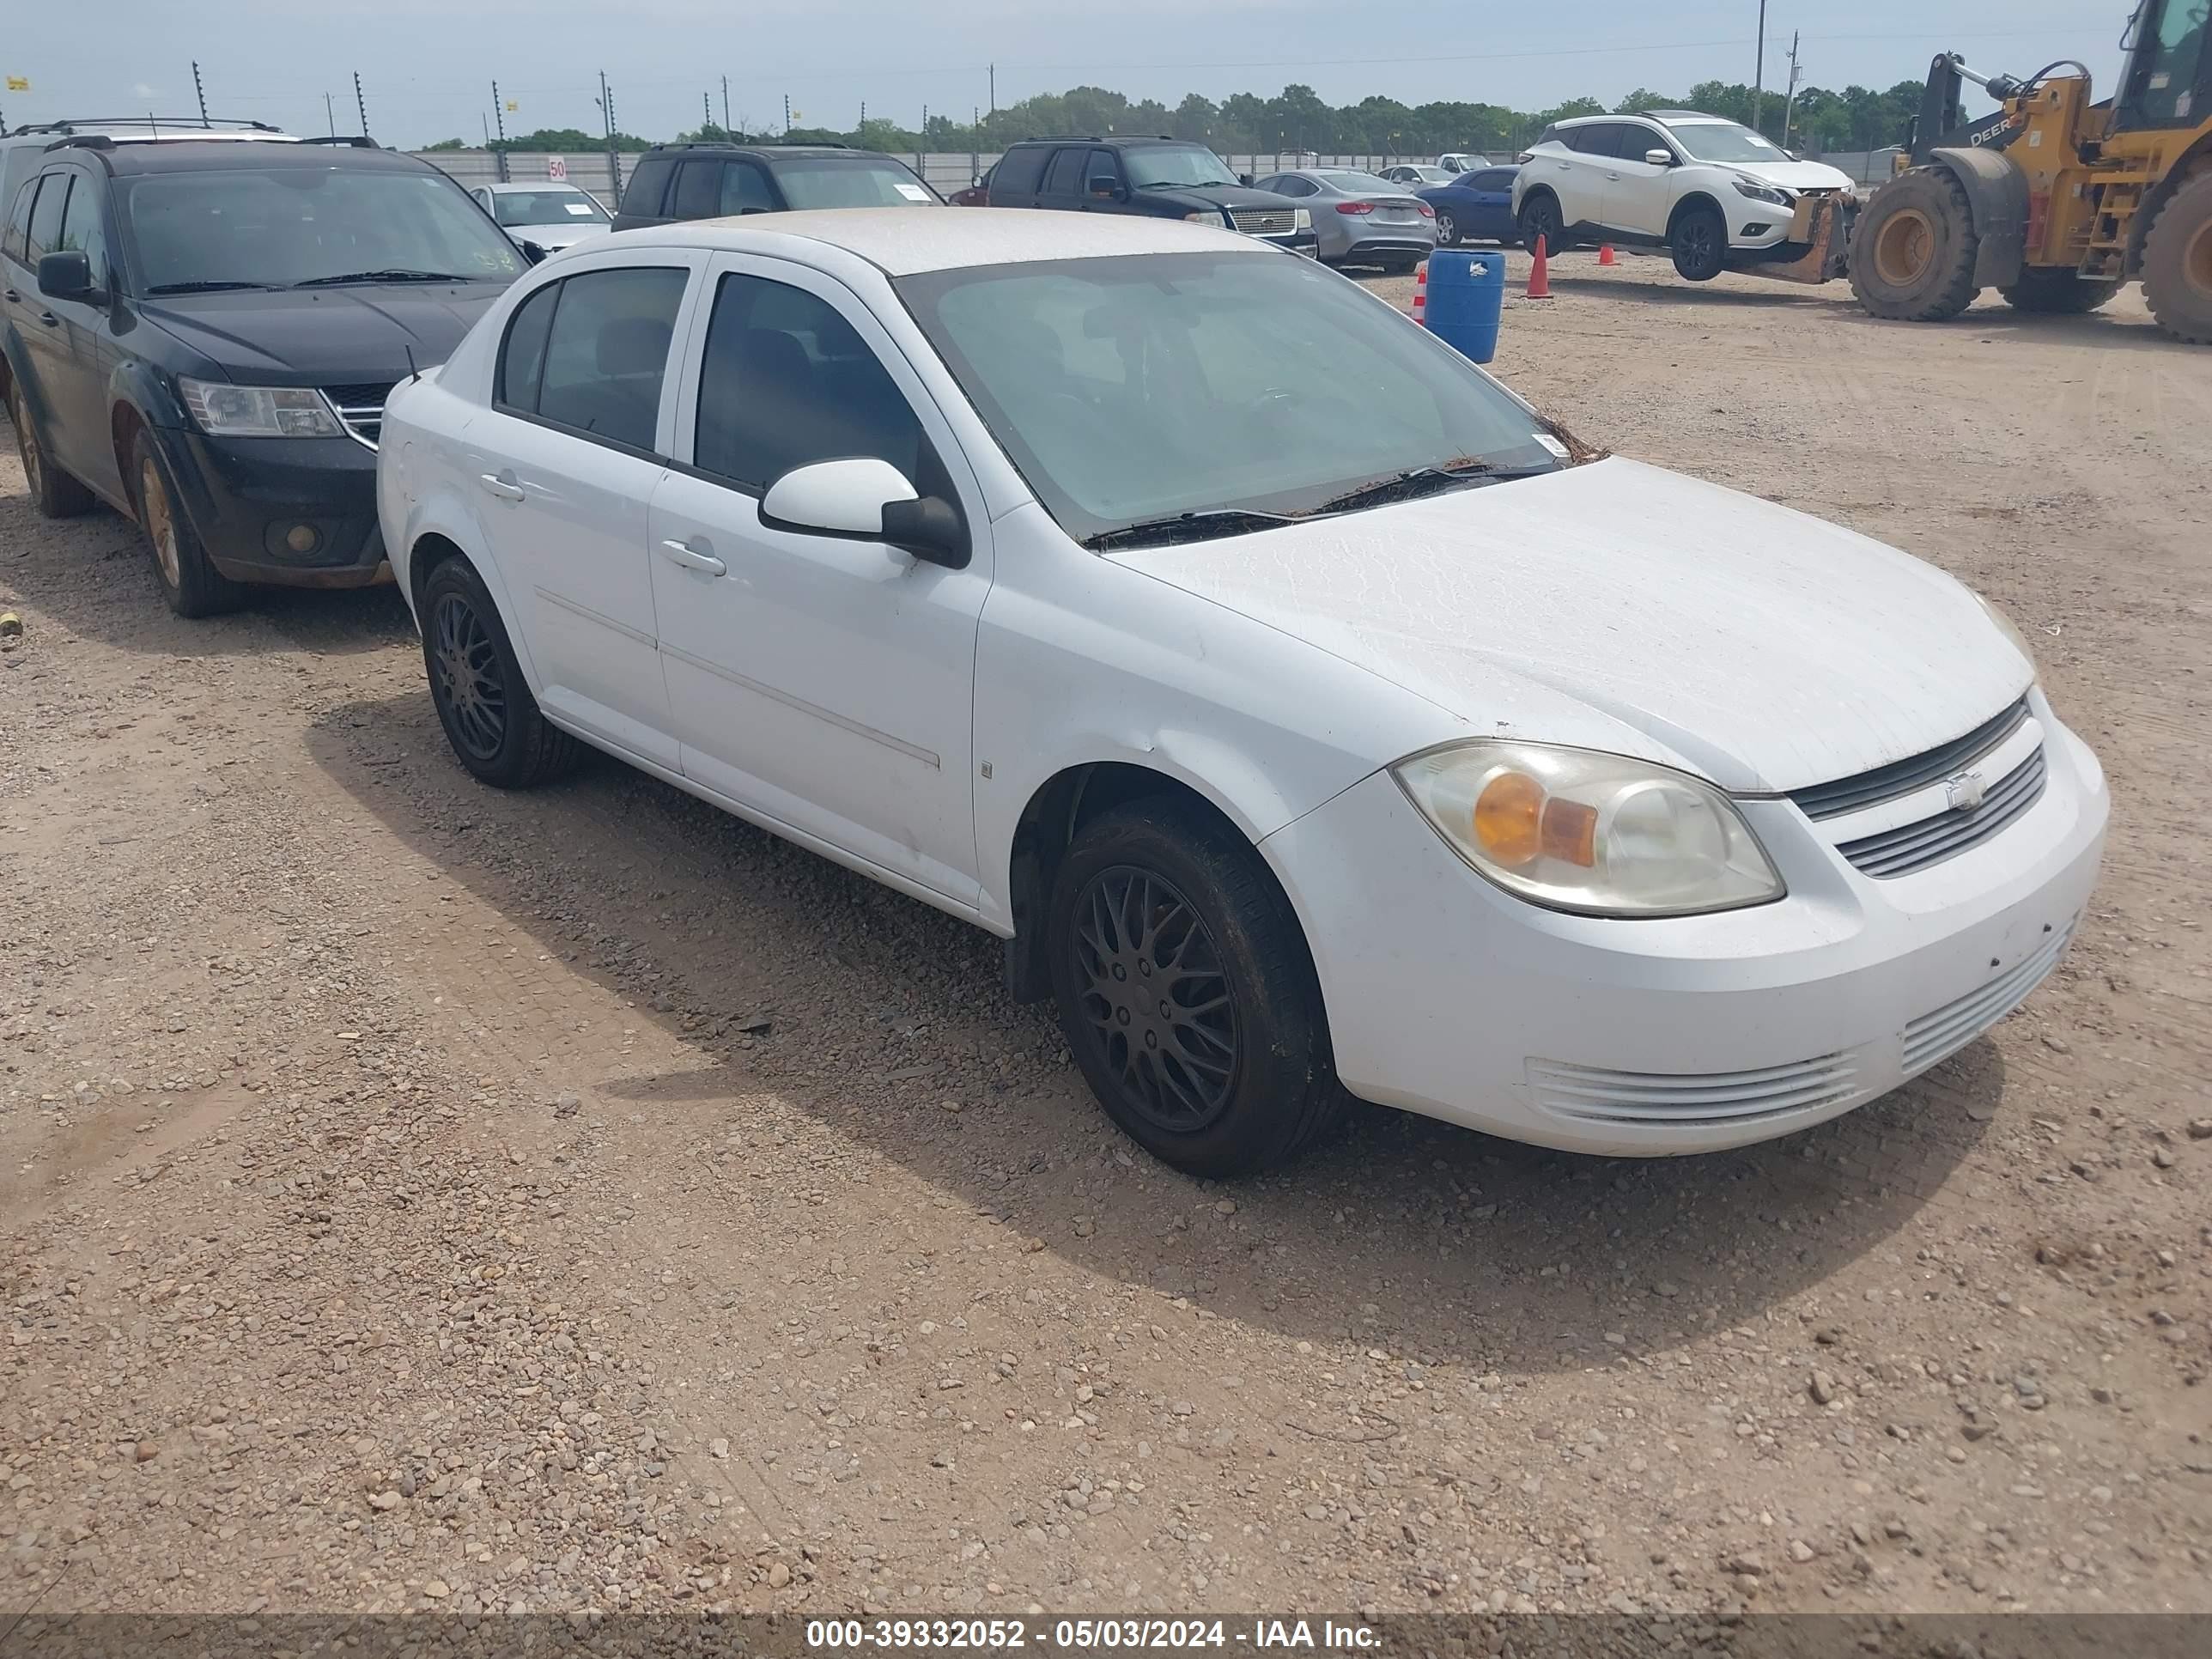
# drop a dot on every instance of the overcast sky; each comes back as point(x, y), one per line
point(426, 65)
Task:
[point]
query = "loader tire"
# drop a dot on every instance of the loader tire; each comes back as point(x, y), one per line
point(2177, 264)
point(1914, 247)
point(2058, 292)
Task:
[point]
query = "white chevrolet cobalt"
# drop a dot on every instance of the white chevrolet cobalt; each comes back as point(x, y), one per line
point(1304, 713)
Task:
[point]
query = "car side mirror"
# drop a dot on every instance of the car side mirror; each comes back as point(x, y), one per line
point(865, 499)
point(1105, 187)
point(1660, 158)
point(66, 276)
point(1245, 180)
point(533, 252)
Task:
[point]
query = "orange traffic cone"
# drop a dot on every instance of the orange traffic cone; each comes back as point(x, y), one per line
point(1421, 293)
point(1605, 253)
point(1539, 274)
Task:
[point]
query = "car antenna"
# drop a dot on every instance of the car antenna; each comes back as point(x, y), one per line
point(413, 373)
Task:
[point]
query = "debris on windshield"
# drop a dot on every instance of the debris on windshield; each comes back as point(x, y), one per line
point(1577, 451)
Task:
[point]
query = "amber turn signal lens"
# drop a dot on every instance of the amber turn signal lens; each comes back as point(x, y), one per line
point(1508, 818)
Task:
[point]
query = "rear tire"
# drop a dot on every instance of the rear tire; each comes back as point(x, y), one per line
point(483, 703)
point(1447, 228)
point(193, 587)
point(1913, 249)
point(2177, 266)
point(1699, 243)
point(2057, 293)
point(1186, 991)
point(53, 492)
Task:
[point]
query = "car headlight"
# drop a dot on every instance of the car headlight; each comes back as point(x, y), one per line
point(1759, 193)
point(224, 411)
point(2006, 627)
point(1301, 219)
point(1582, 830)
point(1210, 217)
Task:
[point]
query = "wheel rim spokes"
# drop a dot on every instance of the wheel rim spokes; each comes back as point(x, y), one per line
point(160, 523)
point(466, 670)
point(1156, 999)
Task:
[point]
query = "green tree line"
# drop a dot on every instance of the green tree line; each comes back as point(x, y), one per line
point(1296, 118)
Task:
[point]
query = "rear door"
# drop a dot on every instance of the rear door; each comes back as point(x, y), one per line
point(58, 395)
point(1063, 180)
point(1576, 170)
point(1013, 179)
point(644, 201)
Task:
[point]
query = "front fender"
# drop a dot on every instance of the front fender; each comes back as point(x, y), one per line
point(1996, 191)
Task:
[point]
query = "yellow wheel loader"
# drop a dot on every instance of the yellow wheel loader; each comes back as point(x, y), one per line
point(2055, 201)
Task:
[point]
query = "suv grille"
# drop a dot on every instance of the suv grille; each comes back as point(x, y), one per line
point(1265, 222)
point(1913, 847)
point(1831, 800)
point(361, 408)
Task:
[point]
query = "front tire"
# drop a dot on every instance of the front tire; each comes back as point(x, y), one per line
point(1186, 991)
point(490, 719)
point(193, 587)
point(1914, 247)
point(2177, 266)
point(53, 492)
point(1540, 221)
point(1699, 243)
point(2057, 293)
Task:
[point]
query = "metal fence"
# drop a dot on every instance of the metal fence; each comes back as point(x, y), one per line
point(947, 171)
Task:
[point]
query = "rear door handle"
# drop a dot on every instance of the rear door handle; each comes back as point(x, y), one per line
point(506, 488)
point(12, 296)
point(1615, 176)
point(690, 558)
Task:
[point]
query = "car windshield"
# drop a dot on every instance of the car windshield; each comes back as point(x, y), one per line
point(838, 181)
point(282, 226)
point(1134, 388)
point(1724, 141)
point(546, 207)
point(1165, 168)
point(1358, 183)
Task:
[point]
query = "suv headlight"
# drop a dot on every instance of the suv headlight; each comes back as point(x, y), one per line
point(1582, 830)
point(1759, 193)
point(224, 411)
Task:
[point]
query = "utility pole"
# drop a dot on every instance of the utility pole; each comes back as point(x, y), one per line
point(199, 91)
point(361, 103)
point(994, 89)
point(1790, 104)
point(727, 127)
point(1759, 68)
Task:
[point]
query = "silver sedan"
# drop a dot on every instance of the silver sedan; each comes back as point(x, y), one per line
point(1360, 219)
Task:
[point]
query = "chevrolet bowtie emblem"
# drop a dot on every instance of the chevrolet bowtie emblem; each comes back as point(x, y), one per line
point(1963, 791)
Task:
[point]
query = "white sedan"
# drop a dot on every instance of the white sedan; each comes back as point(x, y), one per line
point(1309, 720)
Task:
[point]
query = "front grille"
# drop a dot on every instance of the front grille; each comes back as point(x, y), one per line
point(1945, 1030)
point(1830, 800)
point(1265, 222)
point(1588, 1094)
point(1913, 847)
point(361, 408)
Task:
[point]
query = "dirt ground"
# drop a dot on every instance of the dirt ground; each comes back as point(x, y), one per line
point(416, 1195)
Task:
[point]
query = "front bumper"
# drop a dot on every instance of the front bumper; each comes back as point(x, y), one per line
point(1811, 244)
point(243, 496)
point(1447, 996)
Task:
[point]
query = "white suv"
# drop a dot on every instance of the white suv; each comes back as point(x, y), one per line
point(1712, 192)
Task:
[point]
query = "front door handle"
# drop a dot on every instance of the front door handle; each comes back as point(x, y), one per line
point(1614, 177)
point(690, 558)
point(49, 320)
point(505, 488)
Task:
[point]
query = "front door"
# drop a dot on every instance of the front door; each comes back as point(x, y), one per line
point(82, 437)
point(1638, 194)
point(825, 684)
point(570, 457)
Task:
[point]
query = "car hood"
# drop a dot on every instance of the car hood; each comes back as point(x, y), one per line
point(1795, 175)
point(1221, 196)
point(316, 337)
point(1763, 648)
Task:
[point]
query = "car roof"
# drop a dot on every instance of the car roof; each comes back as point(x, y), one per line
point(902, 241)
point(1112, 141)
point(770, 152)
point(199, 155)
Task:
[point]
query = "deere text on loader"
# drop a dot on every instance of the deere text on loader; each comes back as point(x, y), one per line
point(2053, 200)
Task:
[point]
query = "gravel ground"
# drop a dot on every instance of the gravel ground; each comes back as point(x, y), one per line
point(417, 1196)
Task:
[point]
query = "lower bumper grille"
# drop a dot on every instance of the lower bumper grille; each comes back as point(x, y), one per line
point(1912, 847)
point(1681, 1100)
point(1943, 1031)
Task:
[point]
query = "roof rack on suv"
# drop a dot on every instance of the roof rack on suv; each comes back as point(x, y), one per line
point(749, 144)
point(71, 124)
point(355, 140)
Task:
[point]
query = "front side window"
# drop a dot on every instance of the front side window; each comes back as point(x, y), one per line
point(546, 207)
point(46, 216)
point(745, 189)
point(1723, 141)
point(851, 181)
point(294, 227)
point(82, 231)
point(786, 381)
point(1165, 167)
point(1131, 389)
point(604, 355)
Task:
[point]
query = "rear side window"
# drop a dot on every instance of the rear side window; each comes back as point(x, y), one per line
point(47, 216)
point(698, 190)
point(648, 187)
point(522, 360)
point(604, 353)
point(1018, 170)
point(1066, 177)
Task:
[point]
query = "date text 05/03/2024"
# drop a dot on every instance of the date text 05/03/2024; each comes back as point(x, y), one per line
point(998, 1634)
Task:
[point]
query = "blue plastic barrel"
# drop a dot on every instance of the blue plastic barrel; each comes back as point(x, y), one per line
point(1467, 294)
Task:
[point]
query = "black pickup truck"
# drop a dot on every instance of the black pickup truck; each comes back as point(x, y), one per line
point(1159, 177)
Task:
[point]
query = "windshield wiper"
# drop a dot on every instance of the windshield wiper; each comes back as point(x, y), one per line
point(396, 275)
point(200, 287)
point(1205, 526)
point(1425, 481)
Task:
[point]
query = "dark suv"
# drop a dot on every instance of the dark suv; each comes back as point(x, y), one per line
point(202, 335)
point(1160, 178)
point(721, 181)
